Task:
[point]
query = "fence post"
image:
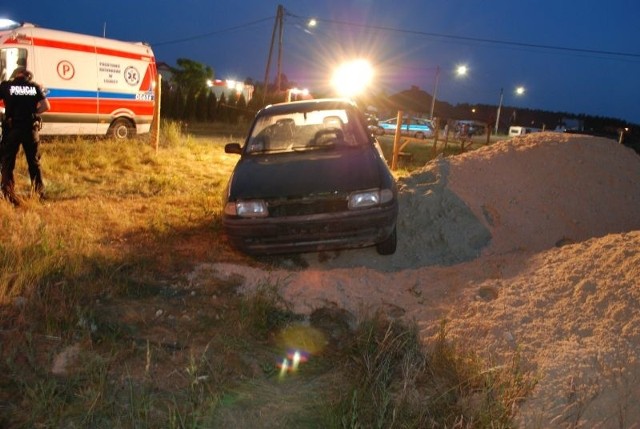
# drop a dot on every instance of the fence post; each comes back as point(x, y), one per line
point(436, 124)
point(446, 136)
point(155, 122)
point(488, 134)
point(396, 142)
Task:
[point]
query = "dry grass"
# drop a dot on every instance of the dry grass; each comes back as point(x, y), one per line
point(101, 327)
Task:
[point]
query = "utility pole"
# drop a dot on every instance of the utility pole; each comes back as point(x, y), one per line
point(499, 108)
point(280, 18)
point(278, 27)
point(435, 91)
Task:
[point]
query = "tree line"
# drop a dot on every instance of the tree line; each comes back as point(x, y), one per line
point(187, 97)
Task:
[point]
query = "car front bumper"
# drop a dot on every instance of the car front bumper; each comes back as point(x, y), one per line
point(308, 233)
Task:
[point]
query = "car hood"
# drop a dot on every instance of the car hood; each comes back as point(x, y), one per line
point(312, 172)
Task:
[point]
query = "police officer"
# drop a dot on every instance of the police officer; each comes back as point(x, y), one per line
point(24, 101)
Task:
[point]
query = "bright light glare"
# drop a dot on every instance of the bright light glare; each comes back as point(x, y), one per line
point(284, 368)
point(520, 90)
point(234, 84)
point(296, 91)
point(296, 361)
point(7, 24)
point(461, 70)
point(292, 362)
point(312, 23)
point(352, 78)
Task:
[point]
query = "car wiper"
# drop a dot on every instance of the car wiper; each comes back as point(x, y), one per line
point(323, 146)
point(300, 147)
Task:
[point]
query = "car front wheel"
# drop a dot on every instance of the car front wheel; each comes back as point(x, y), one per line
point(388, 246)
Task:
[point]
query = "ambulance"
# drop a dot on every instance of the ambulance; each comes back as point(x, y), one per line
point(96, 86)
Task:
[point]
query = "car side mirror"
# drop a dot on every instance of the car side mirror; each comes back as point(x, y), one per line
point(233, 148)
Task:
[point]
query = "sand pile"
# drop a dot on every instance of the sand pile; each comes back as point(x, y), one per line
point(528, 245)
point(538, 190)
point(573, 315)
point(525, 194)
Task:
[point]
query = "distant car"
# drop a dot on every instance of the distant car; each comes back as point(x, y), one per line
point(372, 122)
point(415, 127)
point(310, 177)
point(473, 128)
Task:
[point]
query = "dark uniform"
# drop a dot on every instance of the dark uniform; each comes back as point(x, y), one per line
point(23, 101)
point(4, 88)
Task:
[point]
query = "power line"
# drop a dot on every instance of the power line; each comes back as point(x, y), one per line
point(213, 33)
point(404, 31)
point(473, 39)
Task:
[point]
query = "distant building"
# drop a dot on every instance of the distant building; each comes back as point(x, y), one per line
point(231, 88)
point(227, 87)
point(165, 71)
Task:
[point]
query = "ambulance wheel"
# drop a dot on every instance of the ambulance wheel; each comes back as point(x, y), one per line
point(121, 129)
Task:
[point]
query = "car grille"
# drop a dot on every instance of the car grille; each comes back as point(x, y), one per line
point(308, 206)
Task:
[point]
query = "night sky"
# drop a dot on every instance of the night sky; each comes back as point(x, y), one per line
point(574, 57)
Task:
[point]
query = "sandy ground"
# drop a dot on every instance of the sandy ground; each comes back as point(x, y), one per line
point(529, 246)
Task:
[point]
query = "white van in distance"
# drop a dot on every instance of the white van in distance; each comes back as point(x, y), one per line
point(519, 131)
point(96, 86)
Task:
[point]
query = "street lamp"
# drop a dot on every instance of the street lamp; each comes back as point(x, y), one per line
point(352, 78)
point(519, 91)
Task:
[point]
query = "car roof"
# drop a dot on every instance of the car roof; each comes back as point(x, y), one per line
point(408, 117)
point(308, 105)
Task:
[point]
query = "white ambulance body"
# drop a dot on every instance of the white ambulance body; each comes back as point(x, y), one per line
point(95, 85)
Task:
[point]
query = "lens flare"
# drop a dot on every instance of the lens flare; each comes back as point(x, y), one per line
point(300, 342)
point(352, 78)
point(284, 368)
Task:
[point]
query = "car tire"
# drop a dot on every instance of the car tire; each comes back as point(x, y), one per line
point(420, 135)
point(121, 129)
point(388, 246)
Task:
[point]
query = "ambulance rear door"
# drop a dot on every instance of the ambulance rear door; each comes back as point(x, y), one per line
point(122, 71)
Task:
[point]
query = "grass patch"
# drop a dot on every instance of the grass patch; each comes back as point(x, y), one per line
point(421, 151)
point(395, 381)
point(102, 326)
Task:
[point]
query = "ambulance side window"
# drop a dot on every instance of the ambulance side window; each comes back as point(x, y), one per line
point(10, 59)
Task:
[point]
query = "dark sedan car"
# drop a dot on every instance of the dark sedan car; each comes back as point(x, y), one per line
point(310, 177)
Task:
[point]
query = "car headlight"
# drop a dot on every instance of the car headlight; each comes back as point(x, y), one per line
point(370, 198)
point(251, 208)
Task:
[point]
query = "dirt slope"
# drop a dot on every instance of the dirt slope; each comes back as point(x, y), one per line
point(529, 245)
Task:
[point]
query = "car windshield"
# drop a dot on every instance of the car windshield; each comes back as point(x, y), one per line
point(309, 130)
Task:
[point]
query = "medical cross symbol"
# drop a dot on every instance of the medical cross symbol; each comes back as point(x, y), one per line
point(131, 76)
